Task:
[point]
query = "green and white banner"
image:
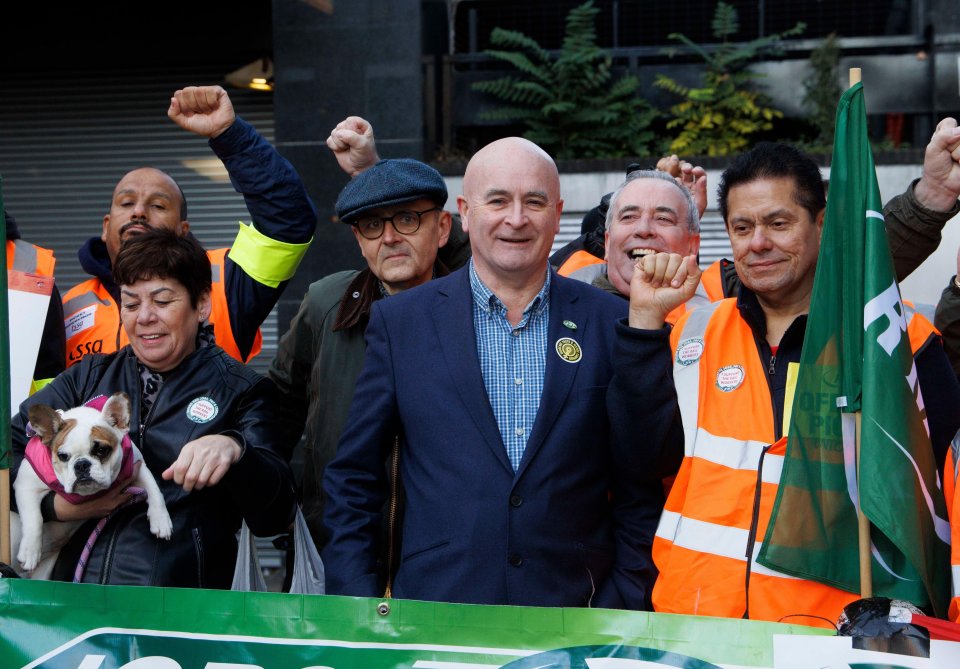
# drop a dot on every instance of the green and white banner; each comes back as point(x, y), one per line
point(67, 626)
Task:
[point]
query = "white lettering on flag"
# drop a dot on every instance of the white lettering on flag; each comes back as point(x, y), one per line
point(886, 304)
point(914, 384)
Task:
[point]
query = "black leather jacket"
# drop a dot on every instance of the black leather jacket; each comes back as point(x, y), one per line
point(258, 487)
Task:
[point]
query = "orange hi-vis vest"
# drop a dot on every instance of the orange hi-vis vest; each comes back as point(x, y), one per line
point(31, 259)
point(25, 257)
point(718, 508)
point(92, 319)
point(578, 260)
point(701, 298)
point(950, 470)
point(710, 288)
point(711, 281)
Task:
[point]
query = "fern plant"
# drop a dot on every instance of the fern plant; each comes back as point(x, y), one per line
point(569, 103)
point(718, 118)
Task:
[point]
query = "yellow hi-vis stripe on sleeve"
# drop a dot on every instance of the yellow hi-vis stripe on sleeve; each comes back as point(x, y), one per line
point(37, 384)
point(267, 260)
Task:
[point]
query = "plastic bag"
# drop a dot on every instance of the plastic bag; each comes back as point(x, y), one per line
point(247, 575)
point(308, 572)
point(309, 576)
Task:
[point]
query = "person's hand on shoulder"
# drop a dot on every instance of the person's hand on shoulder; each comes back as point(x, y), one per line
point(353, 145)
point(204, 110)
point(939, 186)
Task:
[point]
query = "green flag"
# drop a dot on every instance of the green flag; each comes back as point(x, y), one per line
point(857, 357)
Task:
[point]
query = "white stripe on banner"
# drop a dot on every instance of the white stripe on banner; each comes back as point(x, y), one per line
point(426, 664)
point(711, 539)
point(737, 454)
point(276, 641)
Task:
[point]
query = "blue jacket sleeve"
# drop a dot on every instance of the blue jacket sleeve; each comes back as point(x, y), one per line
point(280, 208)
point(647, 445)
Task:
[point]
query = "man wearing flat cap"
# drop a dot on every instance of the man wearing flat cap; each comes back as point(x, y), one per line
point(395, 209)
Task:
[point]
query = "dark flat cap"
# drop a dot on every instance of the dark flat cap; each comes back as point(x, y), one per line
point(389, 182)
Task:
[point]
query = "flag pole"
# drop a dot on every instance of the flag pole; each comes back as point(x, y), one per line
point(863, 524)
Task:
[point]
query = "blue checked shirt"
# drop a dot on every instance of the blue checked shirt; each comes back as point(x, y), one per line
point(513, 361)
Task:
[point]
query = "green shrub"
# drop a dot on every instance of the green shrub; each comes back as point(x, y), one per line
point(570, 104)
point(718, 118)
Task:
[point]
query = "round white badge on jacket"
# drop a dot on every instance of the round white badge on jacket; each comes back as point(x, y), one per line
point(730, 377)
point(202, 410)
point(689, 351)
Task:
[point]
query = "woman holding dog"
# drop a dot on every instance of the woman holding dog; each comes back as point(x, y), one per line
point(204, 423)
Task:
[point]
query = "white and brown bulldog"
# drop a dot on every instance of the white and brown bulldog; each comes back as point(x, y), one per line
point(79, 454)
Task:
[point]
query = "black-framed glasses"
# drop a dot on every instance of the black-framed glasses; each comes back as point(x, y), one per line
point(405, 222)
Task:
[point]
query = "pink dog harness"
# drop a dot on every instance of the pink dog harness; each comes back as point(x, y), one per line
point(40, 458)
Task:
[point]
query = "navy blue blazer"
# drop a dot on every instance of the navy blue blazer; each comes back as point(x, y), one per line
point(572, 527)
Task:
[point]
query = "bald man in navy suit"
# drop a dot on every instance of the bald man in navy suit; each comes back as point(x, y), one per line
point(530, 476)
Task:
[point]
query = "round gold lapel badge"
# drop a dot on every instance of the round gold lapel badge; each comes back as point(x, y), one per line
point(569, 350)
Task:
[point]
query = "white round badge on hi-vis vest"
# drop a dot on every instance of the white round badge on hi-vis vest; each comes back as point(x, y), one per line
point(689, 351)
point(730, 377)
point(202, 410)
point(569, 350)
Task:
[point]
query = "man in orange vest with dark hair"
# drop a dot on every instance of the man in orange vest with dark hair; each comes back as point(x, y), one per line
point(247, 278)
point(26, 257)
point(730, 377)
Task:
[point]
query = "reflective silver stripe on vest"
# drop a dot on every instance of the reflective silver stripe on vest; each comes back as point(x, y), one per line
point(686, 378)
point(25, 257)
point(589, 273)
point(75, 304)
point(215, 273)
point(713, 539)
point(955, 447)
point(699, 299)
point(929, 311)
